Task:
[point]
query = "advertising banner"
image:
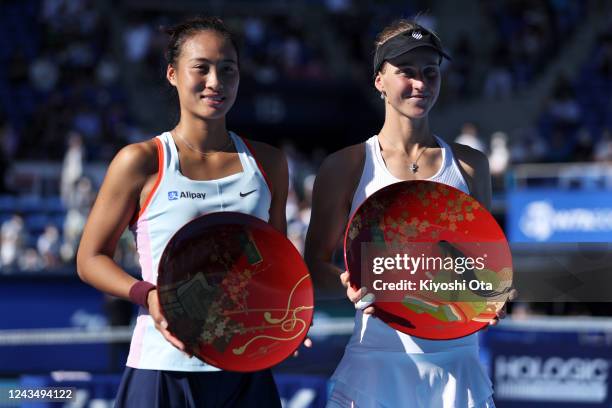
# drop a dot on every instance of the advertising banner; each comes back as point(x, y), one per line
point(542, 215)
point(550, 367)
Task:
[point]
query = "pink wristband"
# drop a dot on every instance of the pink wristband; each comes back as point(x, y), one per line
point(139, 292)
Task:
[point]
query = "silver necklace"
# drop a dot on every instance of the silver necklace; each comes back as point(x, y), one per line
point(414, 166)
point(202, 153)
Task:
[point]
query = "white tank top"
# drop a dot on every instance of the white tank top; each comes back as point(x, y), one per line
point(375, 174)
point(174, 201)
point(385, 367)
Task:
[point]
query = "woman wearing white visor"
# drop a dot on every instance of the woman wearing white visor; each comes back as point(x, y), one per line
point(383, 367)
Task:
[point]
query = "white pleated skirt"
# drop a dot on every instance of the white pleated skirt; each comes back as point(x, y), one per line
point(382, 367)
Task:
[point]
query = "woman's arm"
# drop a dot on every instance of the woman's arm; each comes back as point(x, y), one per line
point(332, 195)
point(115, 205)
point(129, 179)
point(275, 166)
point(474, 166)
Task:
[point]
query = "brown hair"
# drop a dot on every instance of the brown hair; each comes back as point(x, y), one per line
point(179, 33)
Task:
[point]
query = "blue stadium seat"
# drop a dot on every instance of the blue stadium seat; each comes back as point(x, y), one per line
point(54, 205)
point(36, 223)
point(30, 204)
point(58, 221)
point(8, 204)
point(5, 217)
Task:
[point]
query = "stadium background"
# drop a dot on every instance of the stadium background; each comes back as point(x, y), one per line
point(530, 85)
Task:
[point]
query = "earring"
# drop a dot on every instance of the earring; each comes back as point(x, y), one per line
point(382, 95)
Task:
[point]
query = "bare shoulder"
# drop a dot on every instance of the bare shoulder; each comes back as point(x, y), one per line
point(340, 173)
point(272, 159)
point(473, 161)
point(346, 163)
point(476, 166)
point(136, 160)
point(265, 152)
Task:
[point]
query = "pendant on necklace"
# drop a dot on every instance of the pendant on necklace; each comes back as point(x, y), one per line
point(414, 167)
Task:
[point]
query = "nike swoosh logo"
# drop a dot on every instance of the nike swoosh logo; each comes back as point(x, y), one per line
point(247, 193)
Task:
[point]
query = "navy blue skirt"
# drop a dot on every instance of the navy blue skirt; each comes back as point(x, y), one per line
point(170, 389)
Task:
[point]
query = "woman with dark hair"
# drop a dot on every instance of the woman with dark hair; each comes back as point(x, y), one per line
point(142, 190)
point(383, 367)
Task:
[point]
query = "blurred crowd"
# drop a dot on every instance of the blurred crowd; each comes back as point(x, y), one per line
point(60, 77)
point(63, 73)
point(43, 233)
point(63, 98)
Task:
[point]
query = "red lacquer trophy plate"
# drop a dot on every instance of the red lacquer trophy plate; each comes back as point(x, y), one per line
point(235, 291)
point(444, 227)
